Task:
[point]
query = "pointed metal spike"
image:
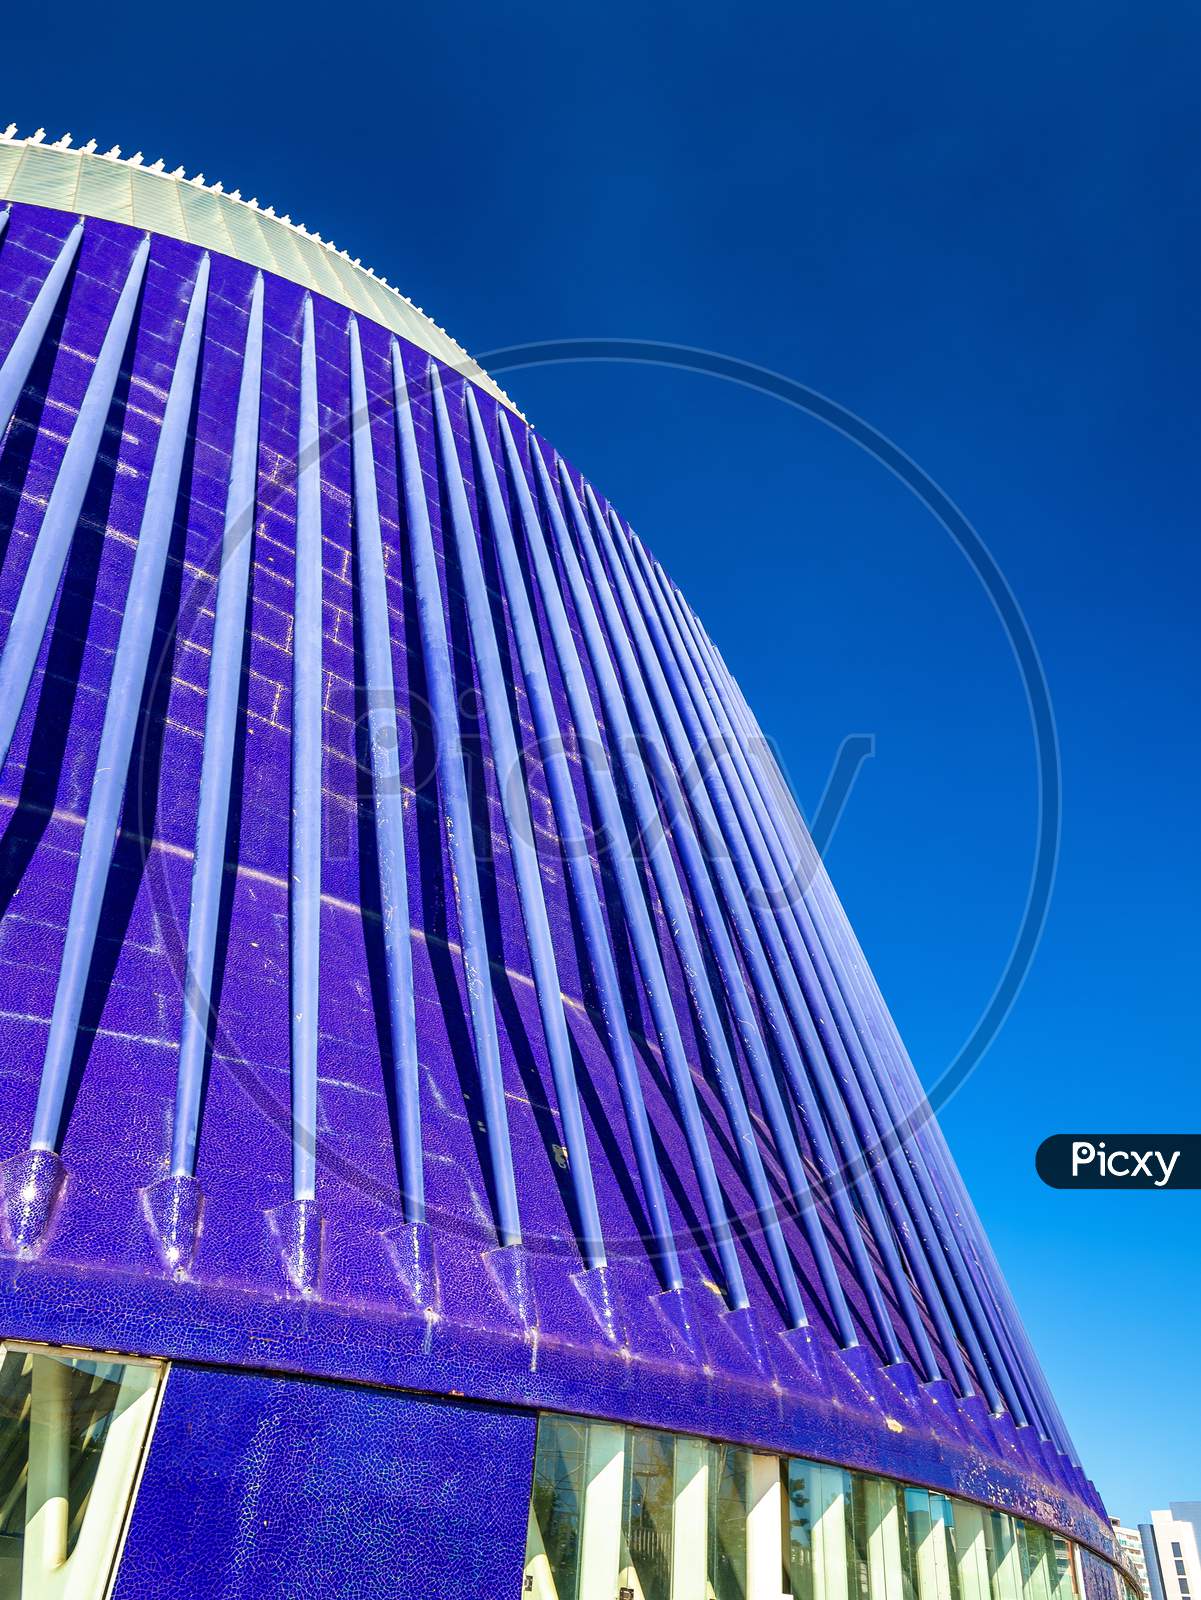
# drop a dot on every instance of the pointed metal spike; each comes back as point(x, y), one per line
point(30, 1186)
point(297, 1228)
point(173, 1208)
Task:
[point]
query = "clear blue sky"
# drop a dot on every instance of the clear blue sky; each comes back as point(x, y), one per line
point(981, 232)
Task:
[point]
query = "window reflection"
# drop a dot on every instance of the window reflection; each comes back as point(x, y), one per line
point(631, 1514)
point(728, 1506)
point(647, 1512)
point(72, 1431)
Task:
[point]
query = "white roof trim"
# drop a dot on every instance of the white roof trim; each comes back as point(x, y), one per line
point(144, 195)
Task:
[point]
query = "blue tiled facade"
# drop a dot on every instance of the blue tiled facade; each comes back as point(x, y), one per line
point(270, 1457)
point(261, 1487)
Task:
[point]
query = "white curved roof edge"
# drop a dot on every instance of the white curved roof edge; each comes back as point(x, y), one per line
point(114, 188)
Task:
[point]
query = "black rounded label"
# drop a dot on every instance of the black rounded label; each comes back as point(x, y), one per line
point(1120, 1161)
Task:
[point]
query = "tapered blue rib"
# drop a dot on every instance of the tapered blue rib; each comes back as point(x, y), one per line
point(220, 727)
point(926, 1258)
point(925, 1157)
point(964, 1285)
point(695, 870)
point(893, 1123)
point(803, 1067)
point(305, 889)
point(739, 826)
point(54, 538)
point(387, 794)
point(971, 1240)
point(452, 781)
point(570, 830)
point(806, 1003)
point(621, 859)
point(816, 985)
point(622, 739)
point(120, 723)
point(515, 808)
point(956, 1278)
point(23, 353)
point(686, 742)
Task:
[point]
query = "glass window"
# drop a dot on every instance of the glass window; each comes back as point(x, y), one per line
point(729, 1483)
point(557, 1508)
point(648, 1504)
point(621, 1513)
point(72, 1431)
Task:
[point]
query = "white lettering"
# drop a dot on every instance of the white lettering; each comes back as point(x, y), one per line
point(1082, 1154)
point(1167, 1166)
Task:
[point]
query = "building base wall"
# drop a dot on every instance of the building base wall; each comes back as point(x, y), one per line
point(282, 1488)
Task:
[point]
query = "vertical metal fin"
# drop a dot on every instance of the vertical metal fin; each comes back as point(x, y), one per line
point(571, 833)
point(120, 723)
point(520, 830)
point(689, 749)
point(54, 538)
point(820, 1051)
point(305, 902)
point(688, 847)
point(621, 858)
point(388, 798)
point(21, 356)
point(831, 925)
point(220, 721)
point(457, 813)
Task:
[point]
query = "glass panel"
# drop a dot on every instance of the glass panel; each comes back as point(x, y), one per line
point(1065, 1569)
point(973, 1561)
point(946, 1556)
point(600, 1544)
point(1035, 1547)
point(879, 1526)
point(837, 1570)
point(928, 1544)
point(623, 1513)
point(690, 1521)
point(729, 1472)
point(647, 1507)
point(72, 1431)
point(46, 177)
point(797, 1484)
point(1004, 1562)
point(556, 1509)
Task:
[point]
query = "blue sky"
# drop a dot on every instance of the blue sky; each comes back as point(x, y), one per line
point(980, 232)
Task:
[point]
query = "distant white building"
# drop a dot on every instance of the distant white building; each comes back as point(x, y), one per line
point(1171, 1553)
point(1130, 1543)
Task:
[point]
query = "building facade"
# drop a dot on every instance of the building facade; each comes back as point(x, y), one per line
point(1170, 1548)
point(1130, 1547)
point(453, 1144)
